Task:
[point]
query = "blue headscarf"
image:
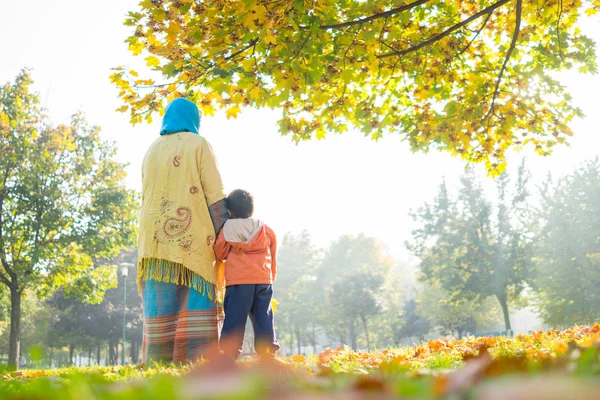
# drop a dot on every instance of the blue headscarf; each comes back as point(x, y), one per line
point(181, 116)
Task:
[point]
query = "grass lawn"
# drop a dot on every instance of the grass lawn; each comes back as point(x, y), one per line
point(549, 365)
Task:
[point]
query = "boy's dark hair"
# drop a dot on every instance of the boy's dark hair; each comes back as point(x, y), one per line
point(240, 204)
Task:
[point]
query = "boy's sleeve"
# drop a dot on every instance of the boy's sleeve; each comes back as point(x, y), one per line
point(273, 240)
point(222, 248)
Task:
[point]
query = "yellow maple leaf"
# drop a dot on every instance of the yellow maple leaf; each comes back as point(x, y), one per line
point(159, 15)
point(232, 112)
point(136, 48)
point(274, 304)
point(270, 39)
point(255, 93)
point(260, 13)
point(172, 30)
point(208, 109)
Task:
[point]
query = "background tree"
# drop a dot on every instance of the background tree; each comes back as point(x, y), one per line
point(112, 307)
point(295, 290)
point(469, 253)
point(4, 322)
point(458, 317)
point(470, 77)
point(354, 298)
point(70, 325)
point(395, 291)
point(415, 326)
point(350, 274)
point(62, 204)
point(568, 249)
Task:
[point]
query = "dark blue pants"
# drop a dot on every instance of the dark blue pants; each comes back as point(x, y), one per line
point(241, 302)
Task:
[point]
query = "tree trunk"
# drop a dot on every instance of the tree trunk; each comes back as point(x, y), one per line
point(364, 321)
point(89, 357)
point(353, 336)
point(132, 353)
point(71, 351)
point(314, 339)
point(98, 355)
point(504, 304)
point(298, 340)
point(14, 347)
point(111, 356)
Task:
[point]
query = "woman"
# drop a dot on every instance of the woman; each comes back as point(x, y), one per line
point(183, 210)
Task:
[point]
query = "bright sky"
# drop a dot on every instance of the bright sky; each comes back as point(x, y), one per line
point(342, 185)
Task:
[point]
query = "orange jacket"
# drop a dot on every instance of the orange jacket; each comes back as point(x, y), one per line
point(249, 262)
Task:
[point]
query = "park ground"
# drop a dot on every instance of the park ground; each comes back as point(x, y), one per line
point(551, 364)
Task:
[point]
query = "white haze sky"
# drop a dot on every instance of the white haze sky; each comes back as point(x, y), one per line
point(345, 184)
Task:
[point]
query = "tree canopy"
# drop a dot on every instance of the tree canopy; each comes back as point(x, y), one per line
point(568, 248)
point(63, 205)
point(470, 77)
point(467, 250)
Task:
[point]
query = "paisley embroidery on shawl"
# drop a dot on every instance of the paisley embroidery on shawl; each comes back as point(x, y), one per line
point(174, 229)
point(178, 226)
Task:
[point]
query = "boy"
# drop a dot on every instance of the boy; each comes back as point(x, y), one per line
point(248, 248)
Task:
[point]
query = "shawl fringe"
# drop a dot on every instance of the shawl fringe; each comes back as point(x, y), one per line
point(170, 272)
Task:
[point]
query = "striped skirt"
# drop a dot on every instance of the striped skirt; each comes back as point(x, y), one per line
point(180, 322)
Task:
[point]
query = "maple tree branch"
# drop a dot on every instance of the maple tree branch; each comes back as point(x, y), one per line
point(344, 67)
point(252, 43)
point(513, 44)
point(447, 32)
point(4, 279)
point(374, 17)
point(301, 48)
point(560, 12)
point(3, 260)
point(487, 19)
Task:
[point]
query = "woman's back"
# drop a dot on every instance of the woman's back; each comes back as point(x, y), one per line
point(183, 207)
point(180, 180)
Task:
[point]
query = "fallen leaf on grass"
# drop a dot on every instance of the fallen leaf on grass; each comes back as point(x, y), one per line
point(464, 378)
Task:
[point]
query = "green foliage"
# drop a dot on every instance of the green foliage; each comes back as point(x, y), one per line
point(63, 201)
point(92, 328)
point(296, 289)
point(473, 78)
point(349, 293)
point(63, 205)
point(415, 326)
point(458, 317)
point(351, 274)
point(467, 252)
point(568, 248)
